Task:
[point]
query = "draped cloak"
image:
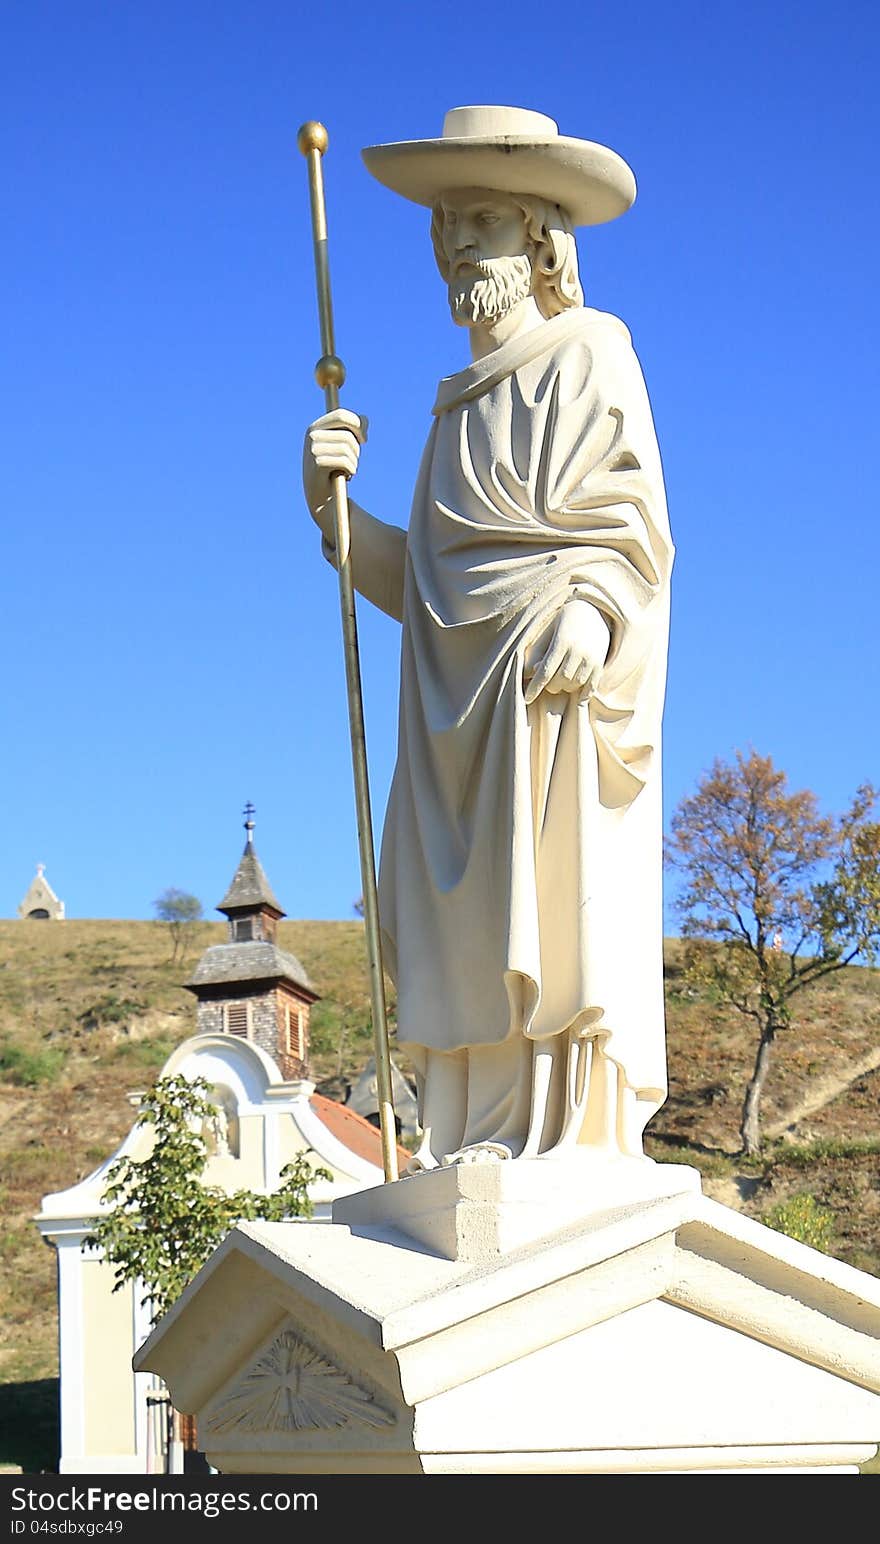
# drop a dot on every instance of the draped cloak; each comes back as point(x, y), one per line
point(520, 873)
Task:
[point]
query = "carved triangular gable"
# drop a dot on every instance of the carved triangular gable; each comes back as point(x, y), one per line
point(291, 1386)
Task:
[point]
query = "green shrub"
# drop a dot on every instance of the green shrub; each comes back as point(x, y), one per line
point(807, 1153)
point(147, 1054)
point(28, 1068)
point(110, 1009)
point(802, 1218)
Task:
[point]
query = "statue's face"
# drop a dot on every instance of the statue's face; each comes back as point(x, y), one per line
point(483, 224)
point(486, 244)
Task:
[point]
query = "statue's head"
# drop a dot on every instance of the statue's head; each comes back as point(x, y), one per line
point(496, 241)
point(494, 249)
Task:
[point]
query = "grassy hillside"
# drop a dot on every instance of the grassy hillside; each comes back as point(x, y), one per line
point(90, 1010)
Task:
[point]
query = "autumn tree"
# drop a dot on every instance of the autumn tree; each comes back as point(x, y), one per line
point(775, 895)
point(161, 1220)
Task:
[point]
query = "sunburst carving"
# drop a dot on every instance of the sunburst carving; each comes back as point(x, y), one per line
point(293, 1387)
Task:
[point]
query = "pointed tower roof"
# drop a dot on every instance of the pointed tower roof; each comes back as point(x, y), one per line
point(249, 886)
point(256, 957)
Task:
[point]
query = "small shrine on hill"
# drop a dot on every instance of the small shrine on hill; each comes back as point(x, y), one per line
point(40, 903)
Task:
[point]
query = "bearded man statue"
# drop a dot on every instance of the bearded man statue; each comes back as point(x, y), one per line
point(520, 873)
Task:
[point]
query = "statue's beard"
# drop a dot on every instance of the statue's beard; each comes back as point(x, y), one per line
point(487, 289)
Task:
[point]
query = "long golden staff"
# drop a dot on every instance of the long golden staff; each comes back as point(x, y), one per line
point(330, 374)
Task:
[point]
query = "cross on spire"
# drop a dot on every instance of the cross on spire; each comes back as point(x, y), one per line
point(249, 812)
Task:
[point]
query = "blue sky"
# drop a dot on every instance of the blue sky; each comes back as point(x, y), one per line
point(170, 631)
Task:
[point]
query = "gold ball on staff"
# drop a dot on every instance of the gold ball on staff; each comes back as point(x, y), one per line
point(312, 136)
point(329, 371)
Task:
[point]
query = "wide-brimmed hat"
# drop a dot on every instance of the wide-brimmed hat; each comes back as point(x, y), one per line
point(510, 150)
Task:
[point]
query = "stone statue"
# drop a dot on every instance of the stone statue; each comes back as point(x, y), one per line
point(215, 1132)
point(220, 1128)
point(520, 873)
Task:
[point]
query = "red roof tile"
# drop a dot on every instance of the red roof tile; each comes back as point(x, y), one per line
point(358, 1135)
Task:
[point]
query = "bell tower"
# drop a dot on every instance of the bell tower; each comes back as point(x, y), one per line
point(249, 986)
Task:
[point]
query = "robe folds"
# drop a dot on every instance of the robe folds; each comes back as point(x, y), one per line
point(520, 873)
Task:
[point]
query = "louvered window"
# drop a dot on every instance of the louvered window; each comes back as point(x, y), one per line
point(238, 1018)
point(294, 1031)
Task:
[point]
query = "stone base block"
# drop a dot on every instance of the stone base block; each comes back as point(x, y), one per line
point(481, 1211)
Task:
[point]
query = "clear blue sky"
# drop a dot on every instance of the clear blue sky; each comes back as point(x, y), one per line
point(170, 631)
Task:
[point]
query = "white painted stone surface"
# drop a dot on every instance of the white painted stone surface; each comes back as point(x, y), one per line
point(546, 1361)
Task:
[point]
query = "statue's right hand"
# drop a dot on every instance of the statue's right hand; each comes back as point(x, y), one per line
point(332, 444)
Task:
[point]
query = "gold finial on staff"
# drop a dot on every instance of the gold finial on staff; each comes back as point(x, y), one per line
point(330, 375)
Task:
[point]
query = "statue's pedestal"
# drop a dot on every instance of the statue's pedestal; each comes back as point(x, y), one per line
point(499, 1318)
point(481, 1211)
